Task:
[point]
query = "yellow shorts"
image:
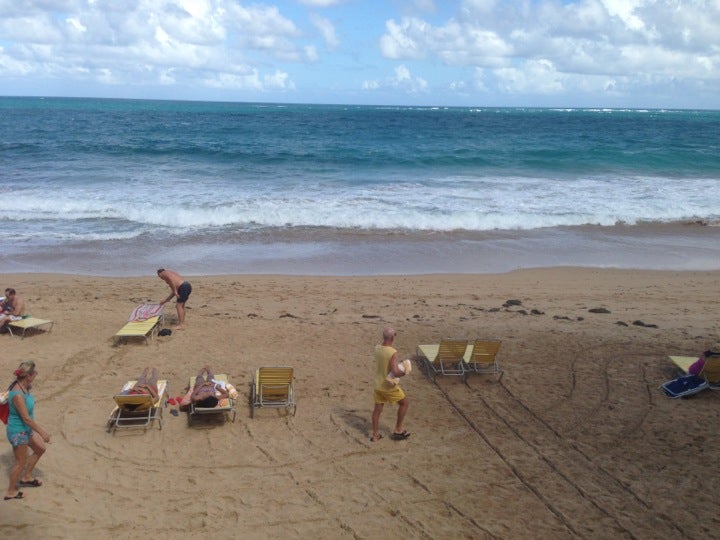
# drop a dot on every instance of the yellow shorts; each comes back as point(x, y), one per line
point(392, 395)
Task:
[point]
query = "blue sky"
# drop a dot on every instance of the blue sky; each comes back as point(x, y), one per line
point(584, 53)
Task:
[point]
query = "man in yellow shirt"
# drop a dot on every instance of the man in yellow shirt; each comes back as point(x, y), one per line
point(386, 362)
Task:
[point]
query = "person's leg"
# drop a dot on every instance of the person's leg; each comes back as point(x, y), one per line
point(180, 307)
point(20, 452)
point(38, 447)
point(376, 421)
point(153, 383)
point(403, 405)
point(199, 378)
point(153, 378)
point(142, 379)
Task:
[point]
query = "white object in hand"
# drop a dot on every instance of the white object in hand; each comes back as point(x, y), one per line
point(405, 367)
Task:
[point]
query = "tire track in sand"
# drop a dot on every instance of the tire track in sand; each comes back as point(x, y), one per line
point(584, 497)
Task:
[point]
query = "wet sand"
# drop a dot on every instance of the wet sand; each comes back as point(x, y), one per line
point(333, 252)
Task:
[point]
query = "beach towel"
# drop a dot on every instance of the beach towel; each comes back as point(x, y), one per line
point(684, 386)
point(145, 311)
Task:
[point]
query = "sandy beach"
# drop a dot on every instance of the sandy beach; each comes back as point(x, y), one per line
point(573, 440)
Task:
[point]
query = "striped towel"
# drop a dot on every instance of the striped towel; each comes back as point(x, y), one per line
point(145, 311)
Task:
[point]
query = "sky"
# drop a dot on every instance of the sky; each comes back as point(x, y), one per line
point(483, 53)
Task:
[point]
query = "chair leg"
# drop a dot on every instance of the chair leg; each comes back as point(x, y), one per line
point(252, 399)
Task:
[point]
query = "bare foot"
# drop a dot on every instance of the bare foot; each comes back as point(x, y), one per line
point(375, 438)
point(178, 327)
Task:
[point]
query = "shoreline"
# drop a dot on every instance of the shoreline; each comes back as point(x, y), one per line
point(327, 253)
point(574, 439)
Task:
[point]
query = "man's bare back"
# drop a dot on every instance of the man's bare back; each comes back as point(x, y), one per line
point(173, 279)
point(180, 288)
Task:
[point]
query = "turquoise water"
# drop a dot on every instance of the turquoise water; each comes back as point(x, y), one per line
point(263, 187)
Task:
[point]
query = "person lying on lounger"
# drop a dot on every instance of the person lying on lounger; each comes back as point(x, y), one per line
point(207, 393)
point(146, 384)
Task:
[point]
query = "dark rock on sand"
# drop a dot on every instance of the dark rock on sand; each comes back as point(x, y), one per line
point(644, 325)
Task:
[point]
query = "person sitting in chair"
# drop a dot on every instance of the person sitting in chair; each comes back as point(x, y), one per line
point(699, 364)
point(12, 308)
point(207, 393)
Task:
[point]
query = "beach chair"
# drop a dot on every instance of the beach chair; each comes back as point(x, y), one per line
point(710, 371)
point(224, 409)
point(144, 322)
point(137, 410)
point(445, 358)
point(684, 386)
point(482, 357)
point(29, 323)
point(273, 387)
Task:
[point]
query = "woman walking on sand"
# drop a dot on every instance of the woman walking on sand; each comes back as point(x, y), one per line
point(23, 432)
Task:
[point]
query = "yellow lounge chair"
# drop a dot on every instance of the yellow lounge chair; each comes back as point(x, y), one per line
point(483, 357)
point(273, 387)
point(710, 371)
point(137, 410)
point(140, 329)
point(28, 323)
point(225, 406)
point(446, 357)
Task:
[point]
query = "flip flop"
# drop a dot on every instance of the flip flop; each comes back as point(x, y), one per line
point(399, 436)
point(372, 439)
point(172, 401)
point(174, 412)
point(31, 483)
point(18, 496)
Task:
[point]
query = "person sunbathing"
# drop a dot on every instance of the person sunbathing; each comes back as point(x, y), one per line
point(207, 393)
point(146, 384)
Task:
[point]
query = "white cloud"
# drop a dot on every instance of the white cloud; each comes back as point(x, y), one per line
point(401, 79)
point(311, 53)
point(146, 42)
point(326, 29)
point(474, 48)
point(10, 64)
point(546, 47)
point(278, 81)
point(250, 81)
point(538, 76)
point(76, 24)
point(321, 3)
point(625, 10)
point(167, 77)
point(401, 40)
point(453, 43)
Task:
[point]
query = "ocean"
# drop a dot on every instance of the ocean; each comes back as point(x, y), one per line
point(122, 187)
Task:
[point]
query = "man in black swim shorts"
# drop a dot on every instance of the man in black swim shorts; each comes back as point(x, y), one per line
point(180, 289)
